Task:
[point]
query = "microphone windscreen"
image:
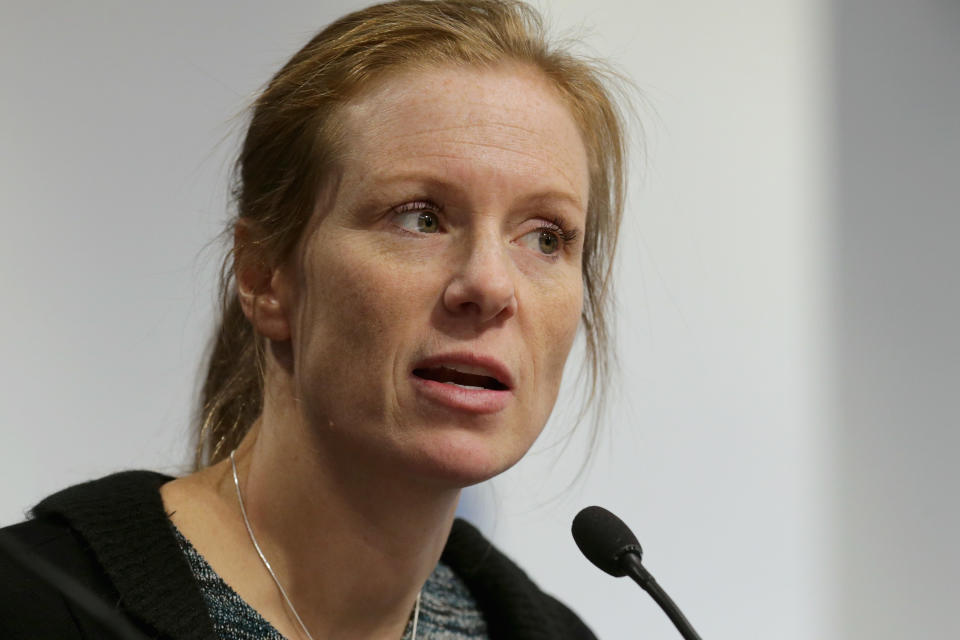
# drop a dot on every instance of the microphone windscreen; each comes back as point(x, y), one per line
point(604, 538)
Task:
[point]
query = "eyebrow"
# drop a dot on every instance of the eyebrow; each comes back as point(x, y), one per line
point(546, 197)
point(554, 198)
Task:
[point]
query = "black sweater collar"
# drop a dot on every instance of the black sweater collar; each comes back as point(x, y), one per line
point(122, 519)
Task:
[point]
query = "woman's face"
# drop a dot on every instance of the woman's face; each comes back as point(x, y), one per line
point(436, 295)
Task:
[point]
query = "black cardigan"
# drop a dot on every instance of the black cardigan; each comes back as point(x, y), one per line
point(113, 537)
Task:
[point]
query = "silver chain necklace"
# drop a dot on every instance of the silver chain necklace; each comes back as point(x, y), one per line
point(283, 592)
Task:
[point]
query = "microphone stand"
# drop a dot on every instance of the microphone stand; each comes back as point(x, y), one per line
point(633, 567)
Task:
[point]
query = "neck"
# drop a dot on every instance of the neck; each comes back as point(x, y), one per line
point(351, 544)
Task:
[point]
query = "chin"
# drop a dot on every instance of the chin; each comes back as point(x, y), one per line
point(460, 460)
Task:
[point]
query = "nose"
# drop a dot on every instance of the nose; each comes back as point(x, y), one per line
point(482, 284)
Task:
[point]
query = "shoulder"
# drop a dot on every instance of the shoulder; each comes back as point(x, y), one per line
point(513, 606)
point(65, 527)
point(30, 606)
point(105, 494)
point(101, 550)
point(54, 584)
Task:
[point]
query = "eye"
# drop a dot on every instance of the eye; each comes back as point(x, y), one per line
point(418, 217)
point(545, 240)
point(549, 238)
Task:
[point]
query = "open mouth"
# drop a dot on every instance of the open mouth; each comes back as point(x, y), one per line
point(458, 378)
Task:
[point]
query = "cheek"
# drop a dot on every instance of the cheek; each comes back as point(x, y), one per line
point(566, 311)
point(342, 314)
point(559, 318)
point(359, 305)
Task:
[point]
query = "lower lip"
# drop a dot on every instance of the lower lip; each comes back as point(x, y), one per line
point(462, 399)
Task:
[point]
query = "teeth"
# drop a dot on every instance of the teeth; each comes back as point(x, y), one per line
point(464, 386)
point(465, 368)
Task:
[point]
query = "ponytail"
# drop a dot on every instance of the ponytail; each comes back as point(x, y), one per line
point(232, 394)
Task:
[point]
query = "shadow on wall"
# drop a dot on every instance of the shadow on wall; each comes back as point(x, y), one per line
point(898, 305)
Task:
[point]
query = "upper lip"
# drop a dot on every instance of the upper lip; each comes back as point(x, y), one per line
point(470, 363)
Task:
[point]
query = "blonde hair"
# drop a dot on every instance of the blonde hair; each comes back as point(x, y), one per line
point(291, 145)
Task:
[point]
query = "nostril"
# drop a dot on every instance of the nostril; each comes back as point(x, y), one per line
point(486, 298)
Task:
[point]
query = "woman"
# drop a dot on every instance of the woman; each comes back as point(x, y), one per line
point(428, 199)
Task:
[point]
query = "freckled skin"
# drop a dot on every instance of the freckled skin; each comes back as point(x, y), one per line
point(499, 154)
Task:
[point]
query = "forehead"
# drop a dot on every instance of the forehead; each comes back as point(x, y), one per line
point(507, 121)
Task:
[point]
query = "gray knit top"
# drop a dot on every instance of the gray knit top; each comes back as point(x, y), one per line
point(447, 609)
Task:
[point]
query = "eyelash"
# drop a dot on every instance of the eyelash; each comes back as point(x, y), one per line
point(417, 205)
point(556, 226)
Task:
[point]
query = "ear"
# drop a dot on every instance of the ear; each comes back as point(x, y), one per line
point(264, 289)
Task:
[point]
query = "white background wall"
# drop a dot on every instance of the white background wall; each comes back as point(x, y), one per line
point(715, 450)
point(728, 446)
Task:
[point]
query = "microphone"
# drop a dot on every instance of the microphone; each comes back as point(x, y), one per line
point(610, 545)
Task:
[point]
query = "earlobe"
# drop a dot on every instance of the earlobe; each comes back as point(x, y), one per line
point(260, 289)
